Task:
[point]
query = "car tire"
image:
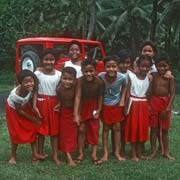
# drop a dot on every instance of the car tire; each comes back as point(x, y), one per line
point(30, 60)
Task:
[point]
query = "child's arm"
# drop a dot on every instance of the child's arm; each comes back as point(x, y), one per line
point(127, 97)
point(123, 95)
point(100, 100)
point(29, 117)
point(58, 106)
point(77, 102)
point(172, 94)
point(34, 104)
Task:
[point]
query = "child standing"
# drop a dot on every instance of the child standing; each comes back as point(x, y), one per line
point(161, 92)
point(136, 130)
point(112, 114)
point(21, 121)
point(67, 125)
point(45, 101)
point(88, 106)
point(74, 54)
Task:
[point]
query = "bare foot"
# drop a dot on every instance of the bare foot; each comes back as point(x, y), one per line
point(35, 160)
point(169, 157)
point(119, 158)
point(57, 161)
point(40, 156)
point(152, 156)
point(136, 159)
point(72, 163)
point(12, 160)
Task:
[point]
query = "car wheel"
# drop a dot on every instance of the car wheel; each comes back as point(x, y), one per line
point(30, 60)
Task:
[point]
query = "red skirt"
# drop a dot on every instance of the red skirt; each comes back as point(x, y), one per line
point(159, 104)
point(136, 129)
point(50, 120)
point(68, 131)
point(21, 130)
point(112, 114)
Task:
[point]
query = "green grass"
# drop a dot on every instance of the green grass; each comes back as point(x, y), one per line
point(157, 169)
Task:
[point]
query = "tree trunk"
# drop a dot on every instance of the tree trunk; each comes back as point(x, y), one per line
point(92, 19)
point(154, 21)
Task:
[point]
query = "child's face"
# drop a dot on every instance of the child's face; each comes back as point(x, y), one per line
point(144, 67)
point(147, 50)
point(89, 72)
point(123, 67)
point(48, 62)
point(111, 68)
point(162, 67)
point(28, 83)
point(67, 80)
point(74, 52)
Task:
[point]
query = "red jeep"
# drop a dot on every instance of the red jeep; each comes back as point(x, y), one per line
point(28, 51)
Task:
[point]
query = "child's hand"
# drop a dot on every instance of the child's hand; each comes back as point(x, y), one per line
point(77, 120)
point(163, 115)
point(96, 114)
point(36, 120)
point(57, 107)
point(168, 75)
point(37, 111)
point(122, 103)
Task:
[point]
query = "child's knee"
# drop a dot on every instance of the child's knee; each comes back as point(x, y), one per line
point(116, 128)
point(81, 130)
point(165, 132)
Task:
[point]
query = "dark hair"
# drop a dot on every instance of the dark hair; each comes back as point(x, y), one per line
point(162, 56)
point(124, 54)
point(69, 70)
point(25, 73)
point(76, 43)
point(88, 61)
point(149, 43)
point(49, 51)
point(109, 58)
point(144, 58)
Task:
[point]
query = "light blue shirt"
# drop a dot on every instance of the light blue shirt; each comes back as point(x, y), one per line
point(112, 94)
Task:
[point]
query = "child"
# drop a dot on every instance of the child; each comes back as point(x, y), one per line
point(67, 126)
point(21, 121)
point(74, 54)
point(112, 114)
point(136, 130)
point(89, 102)
point(162, 92)
point(45, 101)
point(125, 67)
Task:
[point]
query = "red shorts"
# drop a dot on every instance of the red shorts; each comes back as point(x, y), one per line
point(159, 104)
point(112, 114)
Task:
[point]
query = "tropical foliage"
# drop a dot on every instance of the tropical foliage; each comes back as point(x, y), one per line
point(117, 23)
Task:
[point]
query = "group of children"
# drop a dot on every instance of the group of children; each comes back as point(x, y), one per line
point(68, 105)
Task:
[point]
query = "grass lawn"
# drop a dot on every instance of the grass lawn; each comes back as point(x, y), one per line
point(157, 169)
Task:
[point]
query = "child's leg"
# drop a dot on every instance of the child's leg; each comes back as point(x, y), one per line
point(81, 141)
point(12, 159)
point(165, 141)
point(105, 142)
point(134, 152)
point(94, 152)
point(70, 159)
point(117, 139)
point(122, 140)
point(35, 155)
point(112, 141)
point(54, 145)
point(153, 137)
point(41, 139)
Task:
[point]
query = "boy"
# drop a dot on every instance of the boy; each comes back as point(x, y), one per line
point(112, 114)
point(67, 126)
point(161, 92)
point(88, 106)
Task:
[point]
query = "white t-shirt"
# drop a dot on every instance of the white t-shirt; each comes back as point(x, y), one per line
point(14, 98)
point(48, 83)
point(76, 67)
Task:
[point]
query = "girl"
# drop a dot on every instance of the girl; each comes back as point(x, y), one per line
point(74, 54)
point(22, 123)
point(136, 108)
point(45, 101)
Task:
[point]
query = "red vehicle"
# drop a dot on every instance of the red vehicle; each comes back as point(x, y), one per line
point(28, 51)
